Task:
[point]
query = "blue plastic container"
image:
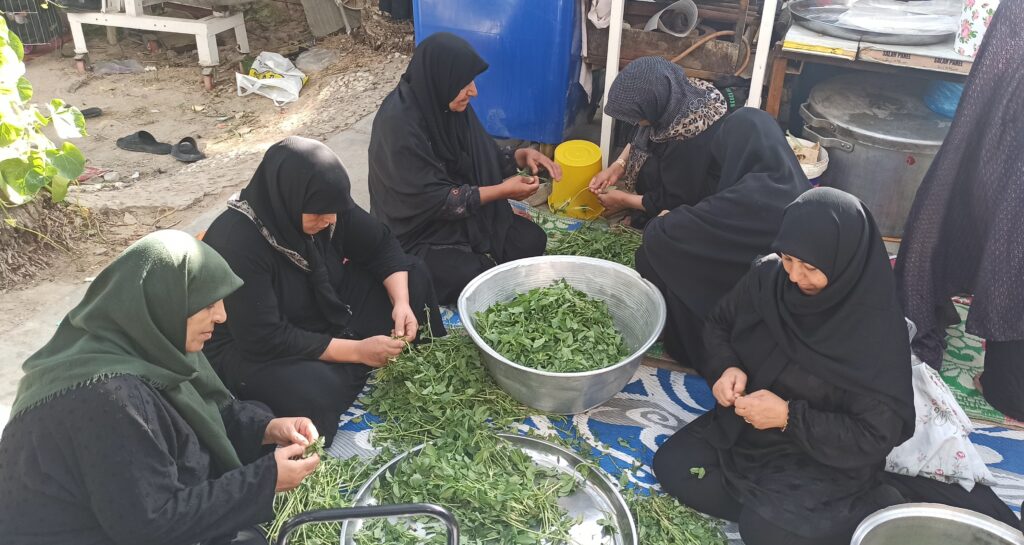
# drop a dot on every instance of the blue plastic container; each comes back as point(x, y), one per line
point(531, 90)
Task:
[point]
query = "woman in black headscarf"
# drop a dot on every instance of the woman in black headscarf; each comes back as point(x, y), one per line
point(696, 253)
point(328, 291)
point(810, 363)
point(964, 235)
point(669, 163)
point(439, 181)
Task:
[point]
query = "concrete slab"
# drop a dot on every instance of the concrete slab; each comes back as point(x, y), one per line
point(351, 145)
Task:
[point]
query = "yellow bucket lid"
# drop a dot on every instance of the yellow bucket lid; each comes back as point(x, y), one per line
point(577, 153)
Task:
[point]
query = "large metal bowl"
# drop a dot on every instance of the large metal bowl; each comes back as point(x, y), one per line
point(933, 524)
point(636, 306)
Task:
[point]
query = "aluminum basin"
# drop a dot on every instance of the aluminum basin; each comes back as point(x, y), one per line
point(636, 306)
point(933, 524)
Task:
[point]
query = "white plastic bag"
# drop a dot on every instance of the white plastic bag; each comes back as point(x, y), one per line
point(274, 77)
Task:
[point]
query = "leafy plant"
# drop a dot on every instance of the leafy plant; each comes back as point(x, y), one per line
point(616, 243)
point(29, 161)
point(557, 328)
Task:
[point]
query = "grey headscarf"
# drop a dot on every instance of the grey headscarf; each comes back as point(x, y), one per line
point(656, 90)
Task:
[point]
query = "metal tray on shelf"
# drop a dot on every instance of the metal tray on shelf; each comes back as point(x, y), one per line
point(823, 16)
point(595, 500)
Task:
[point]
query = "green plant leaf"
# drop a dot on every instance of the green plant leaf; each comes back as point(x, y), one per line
point(9, 133)
point(67, 120)
point(68, 160)
point(15, 43)
point(59, 188)
point(24, 89)
point(11, 221)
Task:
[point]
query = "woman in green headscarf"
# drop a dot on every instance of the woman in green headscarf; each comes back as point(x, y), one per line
point(121, 432)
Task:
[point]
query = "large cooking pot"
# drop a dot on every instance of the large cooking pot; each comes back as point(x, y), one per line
point(881, 139)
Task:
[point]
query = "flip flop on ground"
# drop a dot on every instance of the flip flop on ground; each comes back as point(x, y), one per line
point(144, 142)
point(187, 150)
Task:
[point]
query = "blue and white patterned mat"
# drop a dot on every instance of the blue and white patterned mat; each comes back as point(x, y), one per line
point(657, 402)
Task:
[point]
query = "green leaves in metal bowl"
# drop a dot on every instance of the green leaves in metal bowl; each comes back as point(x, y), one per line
point(557, 328)
point(616, 243)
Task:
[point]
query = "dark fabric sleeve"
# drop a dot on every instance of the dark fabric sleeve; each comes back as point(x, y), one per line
point(718, 327)
point(256, 323)
point(131, 481)
point(862, 435)
point(652, 202)
point(246, 423)
point(462, 202)
point(507, 160)
point(369, 243)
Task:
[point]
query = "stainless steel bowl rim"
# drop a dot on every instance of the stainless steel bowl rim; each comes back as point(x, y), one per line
point(467, 320)
point(935, 511)
point(363, 493)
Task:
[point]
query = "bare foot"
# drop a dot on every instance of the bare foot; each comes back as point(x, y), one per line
point(977, 383)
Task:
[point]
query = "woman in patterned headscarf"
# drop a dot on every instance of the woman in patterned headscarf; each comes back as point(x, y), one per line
point(669, 162)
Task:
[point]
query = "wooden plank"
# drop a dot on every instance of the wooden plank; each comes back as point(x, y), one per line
point(714, 59)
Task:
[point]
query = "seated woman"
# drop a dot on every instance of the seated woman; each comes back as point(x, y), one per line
point(439, 181)
point(810, 362)
point(328, 292)
point(696, 254)
point(669, 163)
point(121, 433)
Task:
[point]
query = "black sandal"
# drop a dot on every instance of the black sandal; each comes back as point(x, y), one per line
point(144, 142)
point(187, 150)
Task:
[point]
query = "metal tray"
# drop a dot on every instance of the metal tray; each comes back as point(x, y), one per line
point(823, 16)
point(597, 499)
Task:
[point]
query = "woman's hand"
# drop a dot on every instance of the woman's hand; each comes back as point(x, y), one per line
point(606, 178)
point(291, 468)
point(290, 431)
point(534, 160)
point(615, 200)
point(406, 324)
point(730, 386)
point(763, 410)
point(376, 351)
point(520, 187)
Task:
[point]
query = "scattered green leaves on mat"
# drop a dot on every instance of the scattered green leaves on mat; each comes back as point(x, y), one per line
point(661, 520)
point(698, 471)
point(617, 243)
point(556, 328)
point(495, 490)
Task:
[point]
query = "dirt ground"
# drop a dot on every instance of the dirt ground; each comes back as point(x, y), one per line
point(135, 193)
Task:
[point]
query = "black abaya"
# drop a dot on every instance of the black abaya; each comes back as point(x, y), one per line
point(839, 358)
point(284, 316)
point(427, 164)
point(114, 463)
point(963, 234)
point(701, 251)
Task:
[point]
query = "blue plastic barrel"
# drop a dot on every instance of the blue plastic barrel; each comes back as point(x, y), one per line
point(531, 90)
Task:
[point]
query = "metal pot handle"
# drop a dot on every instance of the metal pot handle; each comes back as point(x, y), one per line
point(814, 121)
point(827, 141)
point(372, 512)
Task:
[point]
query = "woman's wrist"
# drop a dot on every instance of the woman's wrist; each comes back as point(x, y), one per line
point(785, 418)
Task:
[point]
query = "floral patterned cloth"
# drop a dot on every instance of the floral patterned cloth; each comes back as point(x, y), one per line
point(974, 20)
point(941, 447)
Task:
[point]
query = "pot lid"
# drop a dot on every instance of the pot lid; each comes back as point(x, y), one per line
point(880, 109)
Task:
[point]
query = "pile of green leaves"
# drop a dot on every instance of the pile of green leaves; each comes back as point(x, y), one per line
point(556, 328)
point(661, 520)
point(29, 161)
point(434, 389)
point(439, 393)
point(495, 490)
point(616, 243)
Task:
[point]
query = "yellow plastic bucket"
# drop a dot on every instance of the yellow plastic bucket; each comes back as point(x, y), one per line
point(580, 161)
